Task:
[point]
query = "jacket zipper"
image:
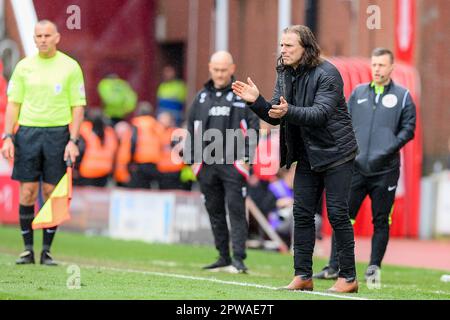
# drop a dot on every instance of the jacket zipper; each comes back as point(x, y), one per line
point(374, 107)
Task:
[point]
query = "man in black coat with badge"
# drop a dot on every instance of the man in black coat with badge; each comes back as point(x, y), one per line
point(316, 132)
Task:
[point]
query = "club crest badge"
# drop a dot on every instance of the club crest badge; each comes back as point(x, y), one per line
point(389, 101)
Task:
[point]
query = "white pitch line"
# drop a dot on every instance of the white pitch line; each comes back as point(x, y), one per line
point(233, 283)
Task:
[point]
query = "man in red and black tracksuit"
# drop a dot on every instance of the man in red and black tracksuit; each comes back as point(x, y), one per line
point(222, 136)
point(384, 118)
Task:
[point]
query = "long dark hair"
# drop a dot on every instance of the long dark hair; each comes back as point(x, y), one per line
point(311, 57)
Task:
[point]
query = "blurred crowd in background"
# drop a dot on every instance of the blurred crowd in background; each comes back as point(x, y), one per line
point(133, 144)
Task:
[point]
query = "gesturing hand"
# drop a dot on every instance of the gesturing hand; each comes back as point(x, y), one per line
point(279, 110)
point(247, 91)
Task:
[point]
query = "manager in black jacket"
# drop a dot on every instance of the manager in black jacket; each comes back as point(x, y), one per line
point(384, 117)
point(221, 142)
point(317, 133)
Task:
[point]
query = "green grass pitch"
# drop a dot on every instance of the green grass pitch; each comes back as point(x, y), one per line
point(115, 269)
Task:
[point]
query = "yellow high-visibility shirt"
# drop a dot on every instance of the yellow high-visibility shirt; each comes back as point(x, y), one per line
point(47, 89)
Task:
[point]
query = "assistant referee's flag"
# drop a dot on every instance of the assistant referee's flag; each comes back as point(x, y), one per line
point(56, 209)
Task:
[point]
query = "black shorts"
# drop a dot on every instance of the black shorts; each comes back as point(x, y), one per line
point(39, 153)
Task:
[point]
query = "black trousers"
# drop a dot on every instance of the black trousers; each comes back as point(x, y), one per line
point(143, 175)
point(308, 188)
point(172, 181)
point(381, 190)
point(223, 185)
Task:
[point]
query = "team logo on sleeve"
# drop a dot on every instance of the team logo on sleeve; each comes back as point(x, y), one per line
point(389, 100)
point(10, 87)
point(58, 88)
point(82, 90)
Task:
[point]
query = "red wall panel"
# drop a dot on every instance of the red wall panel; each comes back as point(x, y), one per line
point(116, 36)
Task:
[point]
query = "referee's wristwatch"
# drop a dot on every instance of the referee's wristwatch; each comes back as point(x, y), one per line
point(7, 135)
point(74, 141)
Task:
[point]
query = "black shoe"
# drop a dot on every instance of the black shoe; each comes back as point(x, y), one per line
point(239, 265)
point(327, 273)
point(220, 263)
point(372, 272)
point(26, 257)
point(46, 259)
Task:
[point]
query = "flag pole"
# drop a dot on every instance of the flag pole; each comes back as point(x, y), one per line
point(69, 165)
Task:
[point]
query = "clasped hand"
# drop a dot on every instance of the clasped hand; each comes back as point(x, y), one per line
point(279, 110)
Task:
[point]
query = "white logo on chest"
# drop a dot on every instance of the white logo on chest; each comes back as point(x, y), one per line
point(219, 111)
point(389, 100)
point(58, 88)
point(361, 100)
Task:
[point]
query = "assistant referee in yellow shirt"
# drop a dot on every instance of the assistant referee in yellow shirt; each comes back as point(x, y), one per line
point(45, 94)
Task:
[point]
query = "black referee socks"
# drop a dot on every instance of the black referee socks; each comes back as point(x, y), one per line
point(26, 215)
point(49, 234)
